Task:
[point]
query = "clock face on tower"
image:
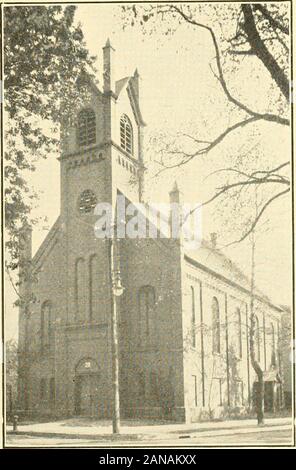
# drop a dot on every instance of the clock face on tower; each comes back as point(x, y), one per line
point(87, 202)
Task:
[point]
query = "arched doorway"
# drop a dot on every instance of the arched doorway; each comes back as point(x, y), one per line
point(87, 388)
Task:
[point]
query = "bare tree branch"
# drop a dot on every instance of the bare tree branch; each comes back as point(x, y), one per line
point(257, 218)
point(272, 21)
point(247, 52)
point(261, 51)
point(264, 116)
point(253, 175)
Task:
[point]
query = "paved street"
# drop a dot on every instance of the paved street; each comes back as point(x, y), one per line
point(272, 437)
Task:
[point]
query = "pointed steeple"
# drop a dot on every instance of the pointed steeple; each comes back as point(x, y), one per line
point(174, 193)
point(175, 187)
point(108, 44)
point(109, 78)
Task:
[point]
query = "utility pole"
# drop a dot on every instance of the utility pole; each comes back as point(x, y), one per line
point(116, 291)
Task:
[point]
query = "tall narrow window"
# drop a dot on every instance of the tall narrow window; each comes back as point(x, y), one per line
point(273, 353)
point(94, 279)
point(193, 319)
point(220, 392)
point(52, 390)
point(45, 325)
point(239, 333)
point(195, 389)
point(141, 385)
point(80, 289)
point(42, 389)
point(86, 127)
point(216, 326)
point(147, 312)
point(257, 338)
point(239, 393)
point(154, 392)
point(126, 134)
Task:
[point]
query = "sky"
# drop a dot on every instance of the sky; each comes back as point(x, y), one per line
point(179, 93)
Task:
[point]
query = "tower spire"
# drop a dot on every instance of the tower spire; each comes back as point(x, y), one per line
point(108, 59)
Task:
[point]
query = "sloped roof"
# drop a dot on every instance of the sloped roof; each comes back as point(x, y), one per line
point(119, 84)
point(50, 237)
point(216, 262)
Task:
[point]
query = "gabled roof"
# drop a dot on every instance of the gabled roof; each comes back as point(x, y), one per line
point(86, 79)
point(126, 83)
point(47, 242)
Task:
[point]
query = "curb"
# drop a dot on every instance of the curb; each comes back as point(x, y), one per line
point(140, 437)
point(100, 437)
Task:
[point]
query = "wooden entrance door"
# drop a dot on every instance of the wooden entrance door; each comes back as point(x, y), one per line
point(87, 395)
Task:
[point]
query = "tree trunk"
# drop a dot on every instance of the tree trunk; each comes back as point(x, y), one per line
point(259, 395)
point(260, 400)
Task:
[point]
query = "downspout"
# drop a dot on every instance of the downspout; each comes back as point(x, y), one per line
point(202, 346)
point(227, 354)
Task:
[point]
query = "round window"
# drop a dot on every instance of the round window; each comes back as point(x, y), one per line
point(87, 202)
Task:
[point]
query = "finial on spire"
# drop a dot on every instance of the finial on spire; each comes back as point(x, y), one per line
point(108, 44)
point(175, 187)
point(136, 73)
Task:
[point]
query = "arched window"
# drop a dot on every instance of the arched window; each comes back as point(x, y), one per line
point(147, 312)
point(80, 289)
point(216, 326)
point(257, 339)
point(45, 325)
point(86, 127)
point(126, 134)
point(239, 333)
point(193, 319)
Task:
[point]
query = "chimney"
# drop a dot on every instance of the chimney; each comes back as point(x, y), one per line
point(214, 240)
point(109, 79)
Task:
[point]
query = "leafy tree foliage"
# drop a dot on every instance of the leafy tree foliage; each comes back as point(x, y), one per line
point(44, 55)
point(11, 364)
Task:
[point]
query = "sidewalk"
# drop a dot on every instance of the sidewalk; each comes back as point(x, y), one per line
point(136, 430)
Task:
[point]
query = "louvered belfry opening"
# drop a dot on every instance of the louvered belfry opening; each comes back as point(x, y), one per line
point(86, 127)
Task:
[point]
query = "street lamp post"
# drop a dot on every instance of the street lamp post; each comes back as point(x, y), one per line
point(116, 292)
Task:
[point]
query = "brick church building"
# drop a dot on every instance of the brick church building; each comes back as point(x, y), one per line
point(183, 318)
